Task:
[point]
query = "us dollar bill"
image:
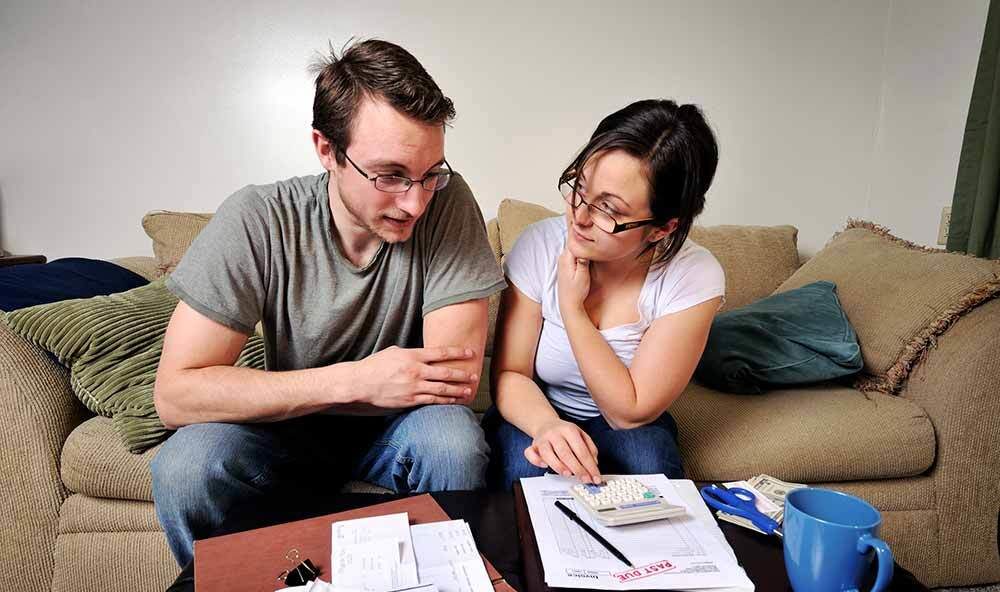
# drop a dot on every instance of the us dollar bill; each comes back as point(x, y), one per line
point(770, 493)
point(762, 502)
point(775, 490)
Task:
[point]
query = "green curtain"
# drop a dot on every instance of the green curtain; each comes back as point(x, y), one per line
point(975, 217)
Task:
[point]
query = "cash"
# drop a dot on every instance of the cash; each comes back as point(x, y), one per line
point(770, 495)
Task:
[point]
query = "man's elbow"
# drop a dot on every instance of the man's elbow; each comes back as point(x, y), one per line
point(163, 401)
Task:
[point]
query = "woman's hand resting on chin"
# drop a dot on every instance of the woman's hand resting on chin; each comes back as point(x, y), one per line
point(573, 279)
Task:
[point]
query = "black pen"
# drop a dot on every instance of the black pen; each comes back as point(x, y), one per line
point(572, 516)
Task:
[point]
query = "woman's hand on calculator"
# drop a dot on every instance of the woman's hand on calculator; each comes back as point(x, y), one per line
point(566, 449)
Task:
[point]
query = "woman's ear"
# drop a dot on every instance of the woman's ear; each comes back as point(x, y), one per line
point(661, 232)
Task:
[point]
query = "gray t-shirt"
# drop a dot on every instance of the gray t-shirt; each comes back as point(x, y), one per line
point(269, 254)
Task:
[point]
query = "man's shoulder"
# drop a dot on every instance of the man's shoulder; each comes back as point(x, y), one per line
point(452, 206)
point(457, 192)
point(278, 196)
point(289, 190)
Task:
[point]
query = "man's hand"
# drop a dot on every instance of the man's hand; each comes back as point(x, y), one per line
point(566, 449)
point(573, 282)
point(397, 378)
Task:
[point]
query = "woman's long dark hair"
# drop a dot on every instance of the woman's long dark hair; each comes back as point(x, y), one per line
point(679, 154)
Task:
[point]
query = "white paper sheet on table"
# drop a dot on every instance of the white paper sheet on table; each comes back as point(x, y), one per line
point(684, 553)
point(373, 554)
point(447, 557)
point(319, 585)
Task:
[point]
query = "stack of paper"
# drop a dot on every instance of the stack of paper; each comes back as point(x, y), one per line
point(684, 553)
point(448, 558)
point(384, 553)
point(373, 554)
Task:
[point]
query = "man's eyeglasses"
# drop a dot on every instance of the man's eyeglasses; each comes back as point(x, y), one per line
point(400, 184)
point(602, 219)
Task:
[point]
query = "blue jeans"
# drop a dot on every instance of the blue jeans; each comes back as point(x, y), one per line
point(651, 448)
point(204, 470)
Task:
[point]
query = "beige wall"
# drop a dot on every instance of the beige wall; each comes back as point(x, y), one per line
point(824, 110)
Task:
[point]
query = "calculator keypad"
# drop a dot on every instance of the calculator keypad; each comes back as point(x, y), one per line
point(623, 501)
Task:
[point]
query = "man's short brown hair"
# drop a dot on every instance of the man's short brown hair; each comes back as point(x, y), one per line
point(374, 69)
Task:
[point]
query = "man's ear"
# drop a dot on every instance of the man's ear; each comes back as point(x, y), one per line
point(662, 232)
point(324, 150)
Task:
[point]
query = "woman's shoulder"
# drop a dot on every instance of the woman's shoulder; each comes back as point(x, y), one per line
point(693, 254)
point(692, 275)
point(544, 236)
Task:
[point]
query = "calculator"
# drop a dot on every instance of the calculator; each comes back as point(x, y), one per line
point(621, 500)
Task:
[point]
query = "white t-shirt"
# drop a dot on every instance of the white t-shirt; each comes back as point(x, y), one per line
point(692, 277)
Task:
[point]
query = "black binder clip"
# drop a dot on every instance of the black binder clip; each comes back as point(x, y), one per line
point(299, 575)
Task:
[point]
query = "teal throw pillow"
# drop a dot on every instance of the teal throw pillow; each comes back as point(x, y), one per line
point(797, 337)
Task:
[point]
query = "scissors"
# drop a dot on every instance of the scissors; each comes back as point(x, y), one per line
point(739, 502)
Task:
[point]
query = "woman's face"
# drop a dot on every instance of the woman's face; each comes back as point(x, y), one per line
point(615, 183)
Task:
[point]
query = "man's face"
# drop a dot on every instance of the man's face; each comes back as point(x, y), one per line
point(386, 142)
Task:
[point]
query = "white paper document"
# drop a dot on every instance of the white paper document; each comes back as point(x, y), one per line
point(447, 557)
point(318, 585)
point(683, 553)
point(373, 554)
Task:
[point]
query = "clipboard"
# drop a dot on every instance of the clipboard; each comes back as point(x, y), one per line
point(252, 560)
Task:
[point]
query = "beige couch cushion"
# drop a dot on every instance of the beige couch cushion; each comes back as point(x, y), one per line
point(882, 284)
point(756, 259)
point(96, 464)
point(172, 234)
point(147, 267)
point(513, 216)
point(822, 433)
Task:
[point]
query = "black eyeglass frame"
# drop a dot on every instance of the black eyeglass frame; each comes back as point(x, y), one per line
point(619, 226)
point(409, 182)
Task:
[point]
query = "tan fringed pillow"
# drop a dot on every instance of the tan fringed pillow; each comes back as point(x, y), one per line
point(899, 296)
point(172, 234)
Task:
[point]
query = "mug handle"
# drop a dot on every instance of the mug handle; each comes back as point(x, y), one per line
point(885, 560)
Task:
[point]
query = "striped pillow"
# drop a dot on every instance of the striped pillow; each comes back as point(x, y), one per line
point(112, 346)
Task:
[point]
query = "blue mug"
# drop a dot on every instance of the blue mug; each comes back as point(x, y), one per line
point(828, 536)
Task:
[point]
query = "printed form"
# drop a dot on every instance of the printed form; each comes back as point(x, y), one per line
point(448, 558)
point(373, 554)
point(385, 553)
point(683, 553)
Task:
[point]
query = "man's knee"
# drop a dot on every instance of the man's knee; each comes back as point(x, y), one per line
point(195, 457)
point(448, 446)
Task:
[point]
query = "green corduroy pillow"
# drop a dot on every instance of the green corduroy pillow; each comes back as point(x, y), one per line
point(112, 346)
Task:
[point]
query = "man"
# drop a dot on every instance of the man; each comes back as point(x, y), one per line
point(371, 282)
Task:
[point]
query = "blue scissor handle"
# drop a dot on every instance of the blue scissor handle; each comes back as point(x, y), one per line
point(739, 502)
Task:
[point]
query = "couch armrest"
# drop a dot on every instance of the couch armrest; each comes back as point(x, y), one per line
point(37, 411)
point(144, 266)
point(958, 385)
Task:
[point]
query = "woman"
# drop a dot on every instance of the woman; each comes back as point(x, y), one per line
point(609, 306)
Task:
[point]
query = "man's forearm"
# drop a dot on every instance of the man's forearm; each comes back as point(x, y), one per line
point(244, 395)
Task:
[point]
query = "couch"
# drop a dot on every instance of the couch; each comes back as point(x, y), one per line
point(920, 441)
